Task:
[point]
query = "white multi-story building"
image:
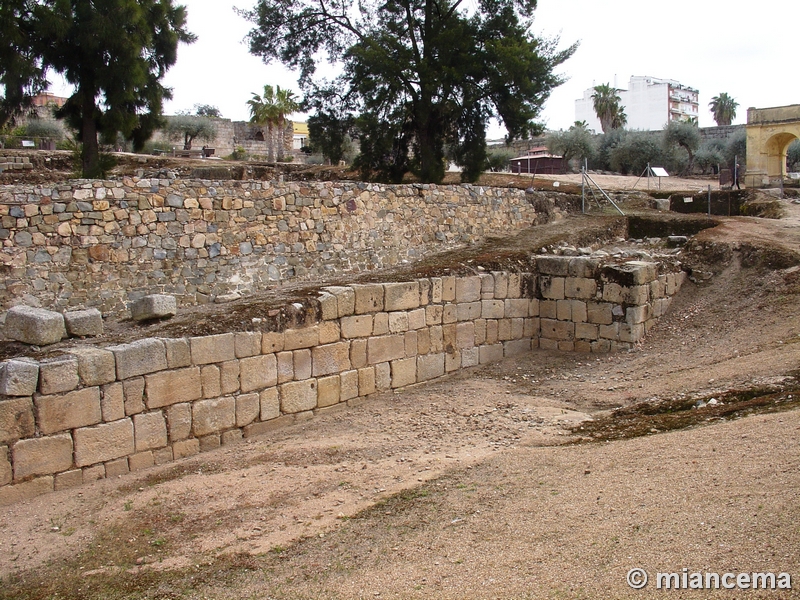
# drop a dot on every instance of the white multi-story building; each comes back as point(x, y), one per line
point(649, 103)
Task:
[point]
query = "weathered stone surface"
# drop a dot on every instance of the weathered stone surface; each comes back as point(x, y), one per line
point(213, 348)
point(58, 375)
point(272, 342)
point(517, 307)
point(551, 288)
point(179, 419)
point(368, 298)
point(138, 358)
point(154, 306)
point(229, 377)
point(247, 344)
point(385, 348)
point(186, 448)
point(42, 456)
point(270, 404)
point(349, 385)
point(331, 358)
point(557, 330)
point(18, 377)
point(366, 381)
point(173, 387)
point(115, 468)
point(96, 366)
point(298, 396)
point(492, 309)
point(329, 391)
point(112, 402)
point(213, 416)
point(345, 299)
point(103, 442)
point(68, 479)
point(302, 364)
point(357, 326)
point(468, 289)
point(179, 353)
point(491, 353)
point(210, 381)
point(248, 408)
point(141, 460)
point(6, 473)
point(404, 372)
point(295, 339)
point(401, 296)
point(68, 411)
point(84, 323)
point(33, 325)
point(258, 372)
point(430, 366)
point(328, 306)
point(133, 390)
point(150, 431)
point(553, 265)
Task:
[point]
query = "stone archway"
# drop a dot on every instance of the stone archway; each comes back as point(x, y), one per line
point(769, 133)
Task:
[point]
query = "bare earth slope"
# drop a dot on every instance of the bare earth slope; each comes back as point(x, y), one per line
point(511, 481)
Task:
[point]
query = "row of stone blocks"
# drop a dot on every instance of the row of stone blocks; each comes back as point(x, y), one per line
point(104, 411)
point(8, 163)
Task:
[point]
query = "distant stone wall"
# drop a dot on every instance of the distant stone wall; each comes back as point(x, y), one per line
point(102, 412)
point(104, 243)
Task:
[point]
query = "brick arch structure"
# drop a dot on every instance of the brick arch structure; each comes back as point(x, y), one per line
point(769, 133)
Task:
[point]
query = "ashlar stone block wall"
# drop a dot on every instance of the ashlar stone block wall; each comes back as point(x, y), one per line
point(105, 411)
point(102, 244)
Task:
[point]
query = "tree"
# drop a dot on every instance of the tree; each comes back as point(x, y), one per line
point(22, 73)
point(328, 133)
point(684, 135)
point(793, 156)
point(419, 73)
point(574, 143)
point(271, 110)
point(608, 107)
point(724, 109)
point(206, 110)
point(115, 53)
point(189, 127)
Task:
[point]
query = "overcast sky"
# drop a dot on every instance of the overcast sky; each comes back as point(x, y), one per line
point(744, 49)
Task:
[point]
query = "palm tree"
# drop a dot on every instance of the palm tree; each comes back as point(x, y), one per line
point(724, 109)
point(608, 107)
point(271, 109)
point(285, 104)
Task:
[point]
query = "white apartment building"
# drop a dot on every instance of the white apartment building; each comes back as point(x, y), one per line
point(649, 104)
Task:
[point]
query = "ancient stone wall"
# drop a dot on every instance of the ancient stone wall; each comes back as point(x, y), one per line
point(100, 412)
point(104, 243)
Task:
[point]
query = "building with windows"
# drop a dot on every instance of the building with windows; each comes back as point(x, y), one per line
point(649, 104)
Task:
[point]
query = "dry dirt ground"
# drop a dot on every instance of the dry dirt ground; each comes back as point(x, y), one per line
point(549, 475)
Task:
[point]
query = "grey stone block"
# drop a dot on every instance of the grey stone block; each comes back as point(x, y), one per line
point(18, 377)
point(154, 306)
point(35, 325)
point(87, 322)
point(95, 365)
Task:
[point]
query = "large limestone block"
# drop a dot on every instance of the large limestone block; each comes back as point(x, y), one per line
point(58, 375)
point(6, 472)
point(18, 377)
point(213, 348)
point(468, 289)
point(385, 348)
point(345, 299)
point(553, 265)
point(42, 456)
point(213, 416)
point(430, 366)
point(404, 372)
point(16, 419)
point(139, 357)
point(35, 325)
point(552, 288)
point(62, 412)
point(331, 358)
point(104, 442)
point(329, 391)
point(258, 372)
point(11, 494)
point(248, 407)
point(154, 306)
point(557, 330)
point(401, 296)
point(580, 287)
point(173, 387)
point(96, 366)
point(82, 323)
point(298, 396)
point(296, 339)
point(150, 431)
point(368, 298)
point(357, 326)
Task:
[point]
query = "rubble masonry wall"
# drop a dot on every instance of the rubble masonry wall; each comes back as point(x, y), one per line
point(104, 411)
point(102, 244)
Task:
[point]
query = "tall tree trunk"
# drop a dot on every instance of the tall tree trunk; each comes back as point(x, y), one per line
point(271, 142)
point(281, 138)
point(90, 153)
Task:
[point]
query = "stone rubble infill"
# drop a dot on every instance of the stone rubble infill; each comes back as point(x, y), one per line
point(99, 412)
